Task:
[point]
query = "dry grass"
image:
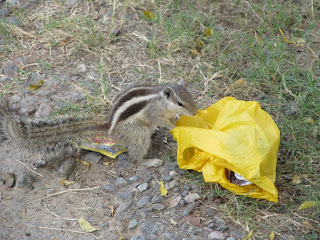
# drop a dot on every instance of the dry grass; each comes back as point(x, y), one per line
point(115, 39)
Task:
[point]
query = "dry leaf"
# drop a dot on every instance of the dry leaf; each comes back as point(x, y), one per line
point(85, 225)
point(121, 238)
point(298, 42)
point(66, 182)
point(149, 15)
point(200, 44)
point(310, 120)
point(250, 234)
point(173, 222)
point(87, 164)
point(34, 87)
point(163, 190)
point(174, 201)
point(296, 179)
point(308, 204)
point(208, 32)
point(239, 83)
point(307, 224)
point(194, 53)
point(271, 236)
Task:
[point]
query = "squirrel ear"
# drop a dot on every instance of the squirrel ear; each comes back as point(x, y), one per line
point(167, 92)
point(181, 82)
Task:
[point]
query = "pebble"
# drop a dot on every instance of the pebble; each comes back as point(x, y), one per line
point(185, 193)
point(81, 68)
point(4, 13)
point(133, 178)
point(5, 80)
point(182, 203)
point(231, 238)
point(43, 111)
point(142, 187)
point(121, 182)
point(171, 184)
point(140, 237)
point(190, 229)
point(93, 75)
point(176, 189)
point(191, 197)
point(10, 180)
point(166, 177)
point(14, 20)
point(39, 163)
point(189, 208)
point(158, 206)
point(218, 221)
point(212, 225)
point(217, 235)
point(143, 201)
point(10, 68)
point(125, 206)
point(125, 195)
point(133, 224)
point(24, 180)
point(236, 235)
point(174, 175)
point(156, 199)
point(66, 169)
point(174, 201)
point(143, 215)
point(168, 235)
point(110, 188)
point(93, 157)
point(149, 228)
point(106, 224)
point(222, 228)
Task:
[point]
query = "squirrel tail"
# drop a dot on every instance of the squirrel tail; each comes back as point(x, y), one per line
point(52, 138)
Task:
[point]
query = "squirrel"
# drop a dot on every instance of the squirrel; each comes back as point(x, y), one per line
point(134, 114)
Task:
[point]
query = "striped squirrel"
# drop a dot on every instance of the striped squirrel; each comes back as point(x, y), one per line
point(134, 114)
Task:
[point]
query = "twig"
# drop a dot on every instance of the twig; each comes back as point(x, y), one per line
point(68, 219)
point(65, 191)
point(28, 167)
point(65, 230)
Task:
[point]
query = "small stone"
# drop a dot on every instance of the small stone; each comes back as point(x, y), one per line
point(150, 228)
point(168, 235)
point(125, 195)
point(236, 235)
point(191, 197)
point(125, 206)
point(81, 68)
point(217, 235)
point(4, 13)
point(140, 237)
point(166, 177)
point(212, 225)
point(133, 178)
point(24, 180)
point(121, 182)
point(143, 215)
point(93, 157)
point(133, 224)
point(110, 188)
point(176, 189)
point(28, 234)
point(66, 169)
point(158, 206)
point(222, 228)
point(14, 21)
point(231, 238)
point(189, 208)
point(174, 174)
point(182, 203)
point(218, 221)
point(10, 180)
point(93, 75)
point(190, 229)
point(185, 193)
point(43, 111)
point(174, 201)
point(5, 80)
point(143, 201)
point(156, 199)
point(172, 184)
point(39, 163)
point(106, 224)
point(142, 187)
point(10, 68)
point(211, 212)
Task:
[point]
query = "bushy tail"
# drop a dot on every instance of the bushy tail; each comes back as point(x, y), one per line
point(53, 138)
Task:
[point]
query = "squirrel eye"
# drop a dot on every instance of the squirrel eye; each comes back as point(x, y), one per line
point(180, 104)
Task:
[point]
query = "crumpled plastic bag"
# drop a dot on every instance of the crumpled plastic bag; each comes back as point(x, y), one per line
point(231, 135)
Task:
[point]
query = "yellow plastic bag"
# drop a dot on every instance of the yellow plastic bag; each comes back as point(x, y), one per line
point(235, 135)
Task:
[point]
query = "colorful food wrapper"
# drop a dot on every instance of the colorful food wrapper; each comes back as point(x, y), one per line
point(104, 145)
